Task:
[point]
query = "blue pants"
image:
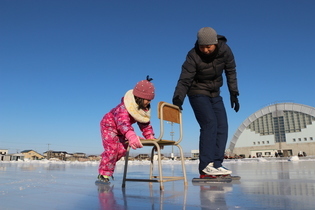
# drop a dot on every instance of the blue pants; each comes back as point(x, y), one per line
point(211, 116)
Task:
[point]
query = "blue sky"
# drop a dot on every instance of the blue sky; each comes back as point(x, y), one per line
point(65, 63)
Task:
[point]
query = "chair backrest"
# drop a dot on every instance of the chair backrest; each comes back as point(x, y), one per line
point(171, 113)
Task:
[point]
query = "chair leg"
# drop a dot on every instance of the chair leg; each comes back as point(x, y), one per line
point(183, 164)
point(160, 167)
point(151, 164)
point(125, 168)
point(160, 172)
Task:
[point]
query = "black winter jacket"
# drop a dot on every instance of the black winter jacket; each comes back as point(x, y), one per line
point(202, 74)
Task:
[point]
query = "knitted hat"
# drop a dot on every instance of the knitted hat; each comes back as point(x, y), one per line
point(144, 89)
point(207, 36)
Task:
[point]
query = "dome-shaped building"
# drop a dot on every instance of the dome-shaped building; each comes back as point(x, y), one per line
point(280, 129)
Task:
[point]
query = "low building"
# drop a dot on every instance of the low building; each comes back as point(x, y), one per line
point(32, 155)
point(3, 151)
point(79, 155)
point(61, 155)
point(94, 157)
point(16, 157)
point(142, 157)
point(283, 129)
point(195, 154)
point(4, 156)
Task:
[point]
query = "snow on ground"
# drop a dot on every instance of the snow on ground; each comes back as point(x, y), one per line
point(172, 162)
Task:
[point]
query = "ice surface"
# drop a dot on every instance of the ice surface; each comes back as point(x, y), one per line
point(266, 184)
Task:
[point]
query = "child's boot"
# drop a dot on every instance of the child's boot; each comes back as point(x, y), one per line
point(103, 178)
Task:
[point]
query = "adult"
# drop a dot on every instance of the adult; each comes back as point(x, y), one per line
point(201, 79)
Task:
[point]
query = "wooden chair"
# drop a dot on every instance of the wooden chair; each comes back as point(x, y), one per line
point(166, 113)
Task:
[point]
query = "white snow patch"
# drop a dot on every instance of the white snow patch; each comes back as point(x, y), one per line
point(294, 158)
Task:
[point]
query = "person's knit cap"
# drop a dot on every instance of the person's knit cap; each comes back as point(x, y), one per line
point(144, 89)
point(207, 36)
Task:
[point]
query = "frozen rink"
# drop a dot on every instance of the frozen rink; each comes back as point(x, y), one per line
point(265, 184)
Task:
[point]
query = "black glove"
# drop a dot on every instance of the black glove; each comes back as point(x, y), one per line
point(234, 101)
point(178, 102)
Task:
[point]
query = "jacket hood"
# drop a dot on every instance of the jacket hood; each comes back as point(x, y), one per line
point(222, 38)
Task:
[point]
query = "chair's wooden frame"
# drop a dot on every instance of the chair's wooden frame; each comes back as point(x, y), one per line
point(170, 113)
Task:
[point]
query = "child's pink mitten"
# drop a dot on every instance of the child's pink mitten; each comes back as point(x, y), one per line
point(133, 139)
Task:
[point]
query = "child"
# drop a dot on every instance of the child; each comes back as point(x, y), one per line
point(116, 126)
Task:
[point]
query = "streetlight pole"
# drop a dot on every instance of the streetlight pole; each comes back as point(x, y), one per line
point(172, 135)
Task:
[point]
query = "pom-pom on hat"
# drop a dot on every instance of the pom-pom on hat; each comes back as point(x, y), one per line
point(144, 89)
point(207, 36)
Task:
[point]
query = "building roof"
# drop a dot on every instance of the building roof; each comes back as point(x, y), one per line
point(25, 151)
point(56, 152)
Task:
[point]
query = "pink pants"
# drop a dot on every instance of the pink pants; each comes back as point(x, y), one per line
point(115, 147)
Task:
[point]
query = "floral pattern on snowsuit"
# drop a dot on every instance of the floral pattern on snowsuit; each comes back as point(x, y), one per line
point(114, 125)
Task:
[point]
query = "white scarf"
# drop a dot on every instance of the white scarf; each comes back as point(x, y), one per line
point(132, 107)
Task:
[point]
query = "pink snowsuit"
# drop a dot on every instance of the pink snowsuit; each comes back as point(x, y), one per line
point(114, 126)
